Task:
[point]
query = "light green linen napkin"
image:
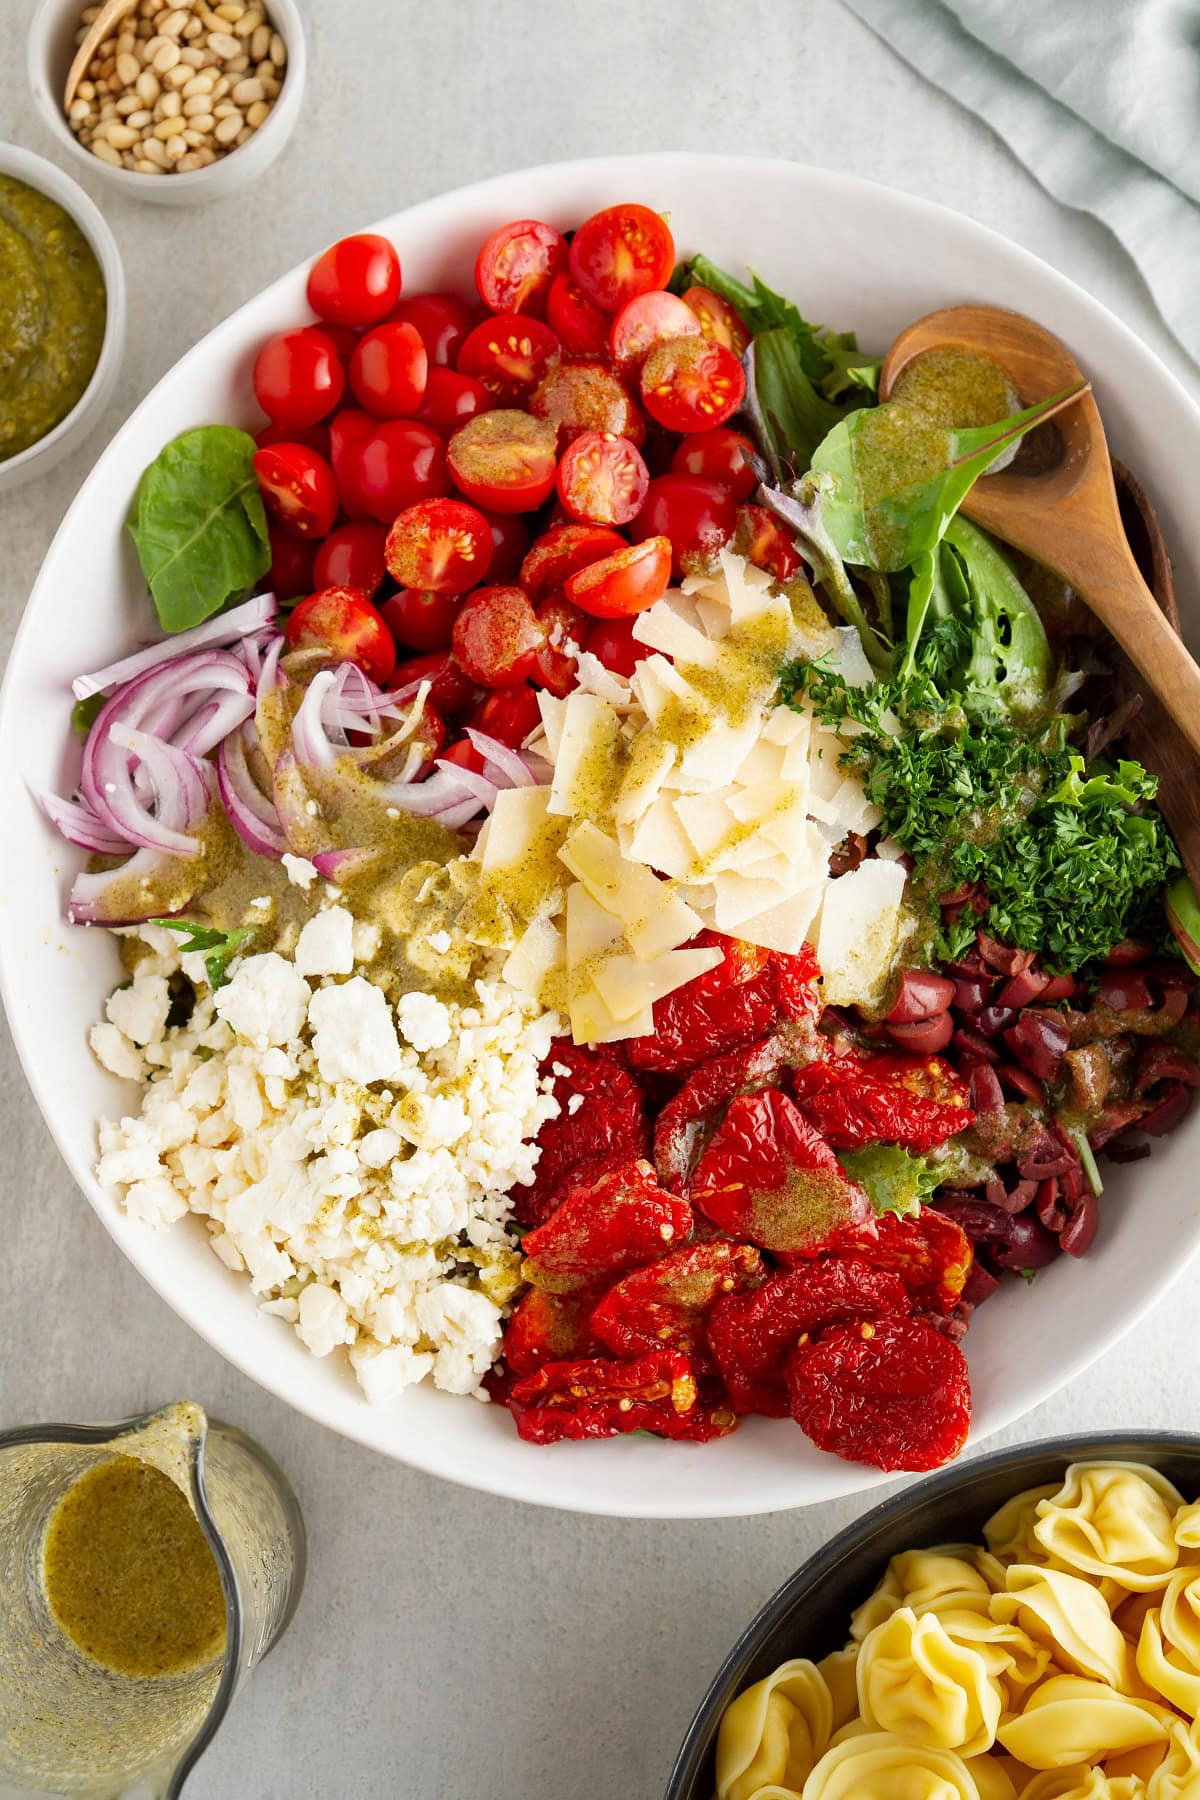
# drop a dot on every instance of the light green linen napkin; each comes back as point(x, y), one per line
point(1101, 101)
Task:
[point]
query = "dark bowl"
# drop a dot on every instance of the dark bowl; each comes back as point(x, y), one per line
point(810, 1614)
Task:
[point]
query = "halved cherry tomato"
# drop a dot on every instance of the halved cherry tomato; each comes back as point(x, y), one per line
point(315, 436)
point(388, 370)
point(395, 464)
point(627, 582)
point(509, 716)
point(352, 556)
point(586, 396)
point(504, 459)
point(719, 321)
point(355, 281)
point(451, 399)
point(581, 327)
point(510, 542)
point(562, 550)
point(647, 320)
point(497, 636)
point(298, 376)
point(689, 383)
point(419, 619)
point(298, 488)
point(621, 252)
point(698, 516)
point(344, 623)
point(443, 321)
point(463, 753)
point(349, 430)
point(450, 687)
point(291, 571)
point(766, 543)
point(555, 670)
point(602, 479)
point(517, 264)
point(721, 454)
point(509, 353)
point(443, 546)
point(612, 642)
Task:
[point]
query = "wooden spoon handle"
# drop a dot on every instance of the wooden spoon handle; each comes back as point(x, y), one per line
point(1120, 598)
point(111, 13)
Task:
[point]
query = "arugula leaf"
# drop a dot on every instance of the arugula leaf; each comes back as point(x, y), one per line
point(800, 510)
point(894, 1180)
point(84, 713)
point(220, 947)
point(199, 525)
point(851, 372)
point(790, 417)
point(968, 576)
point(762, 309)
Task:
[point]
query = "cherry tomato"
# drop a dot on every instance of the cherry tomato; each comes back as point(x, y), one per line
point(602, 480)
point(419, 619)
point(612, 642)
point(443, 321)
point(298, 488)
point(719, 322)
point(464, 755)
point(450, 687)
point(689, 383)
point(647, 320)
point(721, 454)
point(621, 252)
point(352, 556)
point(348, 432)
point(395, 464)
point(504, 459)
point(343, 622)
point(356, 281)
point(767, 544)
point(442, 546)
point(698, 516)
point(509, 353)
point(298, 376)
point(344, 339)
point(497, 636)
point(627, 582)
point(451, 399)
point(509, 716)
point(554, 669)
point(562, 550)
point(586, 396)
point(517, 264)
point(291, 571)
point(581, 327)
point(510, 542)
point(315, 436)
point(389, 369)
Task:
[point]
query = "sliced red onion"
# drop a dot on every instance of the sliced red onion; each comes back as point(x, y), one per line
point(251, 812)
point(506, 761)
point(103, 899)
point(446, 790)
point(226, 628)
point(182, 793)
point(310, 738)
point(80, 826)
point(484, 789)
point(342, 865)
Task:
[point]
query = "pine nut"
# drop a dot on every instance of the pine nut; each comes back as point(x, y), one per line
point(260, 43)
point(224, 108)
point(265, 70)
point(154, 45)
point(145, 167)
point(221, 87)
point(108, 107)
point(148, 87)
point(128, 68)
point(176, 147)
point(187, 163)
point(140, 119)
point(174, 22)
point(166, 128)
point(125, 42)
point(126, 104)
point(258, 113)
point(104, 150)
point(228, 128)
point(193, 28)
point(86, 90)
point(200, 83)
point(175, 78)
point(79, 111)
point(90, 14)
point(170, 106)
point(248, 24)
point(196, 59)
point(201, 125)
point(270, 86)
point(225, 46)
point(120, 136)
point(166, 58)
point(237, 65)
point(278, 50)
point(155, 150)
point(246, 91)
point(196, 106)
point(229, 10)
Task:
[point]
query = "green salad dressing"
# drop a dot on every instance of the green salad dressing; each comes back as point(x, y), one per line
point(896, 449)
point(53, 310)
point(957, 388)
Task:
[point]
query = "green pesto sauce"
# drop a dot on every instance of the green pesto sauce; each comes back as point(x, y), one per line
point(896, 448)
point(53, 310)
point(957, 388)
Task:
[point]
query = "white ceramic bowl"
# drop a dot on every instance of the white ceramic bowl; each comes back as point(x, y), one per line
point(806, 230)
point(37, 173)
point(51, 46)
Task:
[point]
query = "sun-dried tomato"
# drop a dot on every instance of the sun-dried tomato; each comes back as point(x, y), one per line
point(549, 1328)
point(734, 1004)
point(616, 1223)
point(751, 1334)
point(917, 1101)
point(609, 1127)
point(689, 1117)
point(592, 1399)
point(664, 1306)
point(768, 1177)
point(930, 1253)
point(894, 1393)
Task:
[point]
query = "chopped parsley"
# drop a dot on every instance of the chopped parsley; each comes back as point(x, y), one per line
point(84, 713)
point(219, 947)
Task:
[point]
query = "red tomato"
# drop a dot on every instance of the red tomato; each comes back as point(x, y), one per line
point(698, 516)
point(356, 281)
point(298, 377)
point(555, 670)
point(393, 465)
point(581, 327)
point(621, 252)
point(647, 320)
point(721, 454)
point(509, 716)
point(689, 383)
point(612, 642)
point(517, 264)
point(510, 541)
point(602, 480)
point(419, 619)
point(298, 488)
point(586, 396)
point(562, 550)
point(451, 399)
point(450, 688)
point(504, 459)
point(344, 623)
point(464, 755)
point(497, 636)
point(509, 353)
point(443, 546)
point(768, 545)
point(443, 321)
point(719, 322)
point(352, 556)
point(291, 571)
point(389, 369)
point(315, 436)
point(348, 432)
point(627, 582)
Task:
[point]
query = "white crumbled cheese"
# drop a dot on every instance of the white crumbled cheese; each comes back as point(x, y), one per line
point(366, 940)
point(326, 943)
point(324, 1320)
point(424, 1021)
point(117, 1053)
point(140, 1010)
point(439, 942)
point(266, 1000)
point(353, 1035)
point(465, 1326)
point(300, 872)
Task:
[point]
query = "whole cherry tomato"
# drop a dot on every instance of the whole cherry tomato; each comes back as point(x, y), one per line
point(349, 430)
point(508, 716)
point(555, 670)
point(450, 687)
point(698, 516)
point(509, 353)
point(621, 252)
point(419, 619)
point(689, 383)
point(647, 320)
point(352, 556)
point(439, 546)
point(602, 479)
point(562, 550)
point(497, 636)
point(627, 582)
point(586, 396)
point(395, 464)
point(612, 642)
point(767, 545)
point(451, 399)
point(388, 370)
point(356, 281)
point(344, 623)
point(298, 488)
point(719, 321)
point(517, 264)
point(581, 327)
point(315, 436)
point(510, 542)
point(443, 321)
point(721, 454)
point(504, 460)
point(298, 376)
point(291, 572)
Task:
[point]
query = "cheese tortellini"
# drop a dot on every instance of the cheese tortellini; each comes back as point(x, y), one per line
point(1113, 1520)
point(917, 1683)
point(773, 1734)
point(876, 1763)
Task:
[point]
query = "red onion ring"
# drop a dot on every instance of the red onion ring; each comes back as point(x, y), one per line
point(80, 826)
point(252, 813)
point(224, 629)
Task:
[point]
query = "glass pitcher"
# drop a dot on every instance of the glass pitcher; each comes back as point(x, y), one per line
point(69, 1725)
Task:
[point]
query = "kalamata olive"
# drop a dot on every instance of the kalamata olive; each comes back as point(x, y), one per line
point(1019, 990)
point(923, 1037)
point(1124, 990)
point(1129, 950)
point(1162, 1062)
point(1059, 987)
point(1030, 1246)
point(1005, 958)
point(1020, 1081)
point(1039, 1040)
point(921, 995)
point(969, 1043)
point(969, 994)
point(1165, 1116)
point(992, 1020)
point(1079, 1231)
point(986, 1093)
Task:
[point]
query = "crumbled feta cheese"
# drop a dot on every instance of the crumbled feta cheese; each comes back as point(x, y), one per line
point(439, 942)
point(353, 1034)
point(140, 1010)
point(324, 1320)
point(423, 1020)
point(266, 1000)
point(115, 1052)
point(300, 872)
point(367, 939)
point(464, 1326)
point(385, 1370)
point(379, 1148)
point(326, 943)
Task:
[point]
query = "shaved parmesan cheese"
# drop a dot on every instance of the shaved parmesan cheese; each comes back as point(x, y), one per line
point(651, 760)
point(709, 758)
point(554, 712)
point(587, 761)
point(858, 932)
point(850, 659)
point(655, 685)
point(627, 986)
point(539, 954)
point(786, 926)
point(596, 678)
point(672, 625)
point(592, 1023)
point(653, 918)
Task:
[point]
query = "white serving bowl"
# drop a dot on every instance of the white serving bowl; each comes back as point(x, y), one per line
point(70, 431)
point(49, 50)
point(805, 229)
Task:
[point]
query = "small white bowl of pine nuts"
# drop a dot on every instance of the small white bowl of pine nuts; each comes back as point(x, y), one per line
point(182, 102)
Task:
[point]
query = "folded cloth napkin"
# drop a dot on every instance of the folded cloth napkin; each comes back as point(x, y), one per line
point(1101, 101)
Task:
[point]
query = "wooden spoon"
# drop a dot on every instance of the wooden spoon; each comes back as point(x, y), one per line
point(102, 26)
